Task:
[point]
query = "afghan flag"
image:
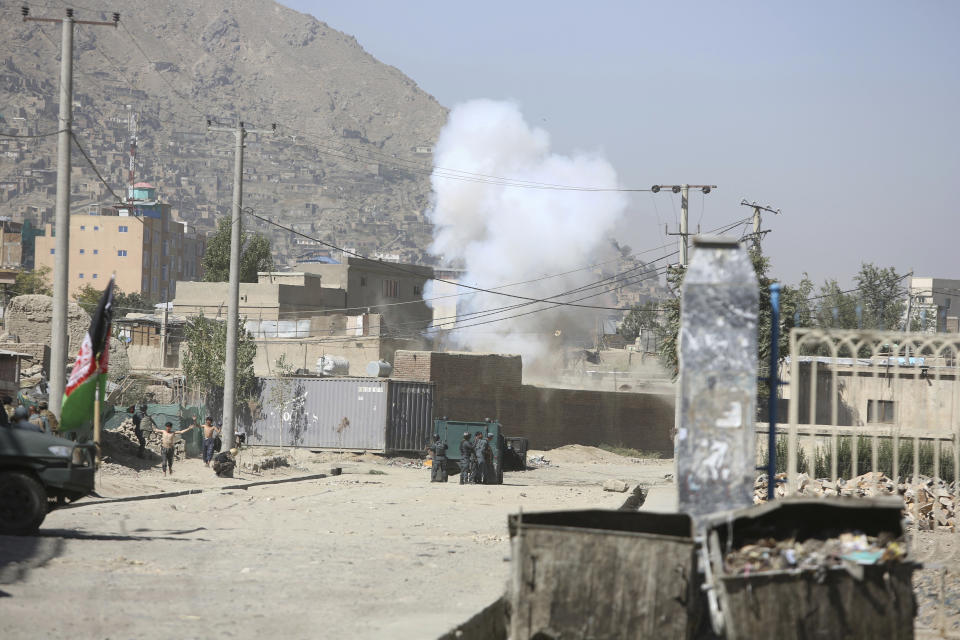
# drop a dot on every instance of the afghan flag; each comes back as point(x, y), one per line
point(89, 372)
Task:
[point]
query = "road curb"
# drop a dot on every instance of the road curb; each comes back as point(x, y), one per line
point(188, 492)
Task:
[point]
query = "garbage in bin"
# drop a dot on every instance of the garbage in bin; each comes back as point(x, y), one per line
point(793, 569)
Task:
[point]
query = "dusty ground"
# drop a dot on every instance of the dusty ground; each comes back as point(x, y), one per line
point(377, 552)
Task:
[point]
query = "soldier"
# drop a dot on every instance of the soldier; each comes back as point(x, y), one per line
point(438, 470)
point(51, 419)
point(466, 453)
point(479, 451)
point(490, 471)
point(137, 419)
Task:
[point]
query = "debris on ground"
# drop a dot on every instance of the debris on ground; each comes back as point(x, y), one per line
point(537, 461)
point(408, 463)
point(122, 443)
point(930, 503)
point(848, 549)
point(268, 463)
point(635, 500)
point(618, 486)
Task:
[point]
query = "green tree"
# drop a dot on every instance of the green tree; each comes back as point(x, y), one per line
point(255, 254)
point(206, 353)
point(88, 297)
point(881, 294)
point(643, 316)
point(33, 282)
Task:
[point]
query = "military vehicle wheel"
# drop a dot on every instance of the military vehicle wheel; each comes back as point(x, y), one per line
point(23, 503)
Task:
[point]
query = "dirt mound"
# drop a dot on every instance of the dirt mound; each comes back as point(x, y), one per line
point(578, 454)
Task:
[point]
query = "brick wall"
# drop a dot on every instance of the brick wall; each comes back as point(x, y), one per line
point(477, 386)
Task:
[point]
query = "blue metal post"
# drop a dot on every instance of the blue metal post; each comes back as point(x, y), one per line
point(774, 384)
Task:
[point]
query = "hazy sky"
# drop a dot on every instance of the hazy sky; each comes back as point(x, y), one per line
point(842, 114)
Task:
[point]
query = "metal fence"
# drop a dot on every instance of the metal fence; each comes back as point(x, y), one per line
point(889, 403)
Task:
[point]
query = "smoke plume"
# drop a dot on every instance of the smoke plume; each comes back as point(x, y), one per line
point(502, 234)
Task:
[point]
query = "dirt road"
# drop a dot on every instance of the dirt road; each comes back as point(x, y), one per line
point(378, 552)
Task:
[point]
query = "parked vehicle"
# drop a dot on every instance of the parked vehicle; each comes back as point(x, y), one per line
point(39, 472)
point(509, 454)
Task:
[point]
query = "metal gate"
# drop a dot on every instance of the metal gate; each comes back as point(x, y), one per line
point(886, 403)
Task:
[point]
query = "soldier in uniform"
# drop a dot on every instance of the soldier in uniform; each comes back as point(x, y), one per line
point(438, 470)
point(490, 471)
point(479, 450)
point(466, 453)
point(51, 419)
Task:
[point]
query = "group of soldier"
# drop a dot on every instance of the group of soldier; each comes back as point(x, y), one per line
point(476, 459)
point(28, 416)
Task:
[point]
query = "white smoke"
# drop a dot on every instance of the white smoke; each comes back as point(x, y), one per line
point(504, 234)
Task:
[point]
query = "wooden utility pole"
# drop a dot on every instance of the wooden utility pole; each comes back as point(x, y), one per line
point(757, 233)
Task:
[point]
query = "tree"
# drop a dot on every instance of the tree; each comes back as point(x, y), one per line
point(255, 254)
point(33, 282)
point(881, 296)
point(640, 317)
point(88, 297)
point(206, 352)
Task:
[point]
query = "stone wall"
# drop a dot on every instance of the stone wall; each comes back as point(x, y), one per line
point(29, 317)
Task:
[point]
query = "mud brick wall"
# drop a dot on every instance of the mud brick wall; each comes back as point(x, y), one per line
point(460, 369)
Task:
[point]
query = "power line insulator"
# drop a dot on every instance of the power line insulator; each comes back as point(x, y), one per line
point(706, 189)
point(676, 188)
point(655, 188)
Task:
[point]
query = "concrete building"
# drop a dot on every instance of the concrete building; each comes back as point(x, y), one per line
point(281, 296)
point(147, 249)
point(395, 291)
point(936, 304)
point(921, 397)
point(11, 243)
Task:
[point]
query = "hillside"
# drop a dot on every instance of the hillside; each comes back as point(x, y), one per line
point(349, 163)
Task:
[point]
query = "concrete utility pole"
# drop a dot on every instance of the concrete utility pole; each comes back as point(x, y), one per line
point(61, 269)
point(684, 191)
point(233, 302)
point(757, 234)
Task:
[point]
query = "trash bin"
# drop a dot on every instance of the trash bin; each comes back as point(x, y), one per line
point(603, 575)
point(810, 569)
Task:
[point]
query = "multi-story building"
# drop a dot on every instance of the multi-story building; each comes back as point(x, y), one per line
point(142, 244)
point(936, 304)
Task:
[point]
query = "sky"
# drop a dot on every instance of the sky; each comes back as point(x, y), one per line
point(843, 115)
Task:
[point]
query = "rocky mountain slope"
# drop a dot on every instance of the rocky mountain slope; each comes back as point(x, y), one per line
point(349, 162)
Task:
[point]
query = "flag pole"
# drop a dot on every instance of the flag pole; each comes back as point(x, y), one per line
point(96, 420)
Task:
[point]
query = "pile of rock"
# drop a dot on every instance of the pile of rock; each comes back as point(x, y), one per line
point(930, 503)
point(123, 441)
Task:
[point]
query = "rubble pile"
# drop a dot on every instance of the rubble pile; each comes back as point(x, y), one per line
point(537, 461)
point(122, 441)
point(848, 549)
point(930, 503)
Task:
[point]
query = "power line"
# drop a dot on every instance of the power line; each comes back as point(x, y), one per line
point(36, 135)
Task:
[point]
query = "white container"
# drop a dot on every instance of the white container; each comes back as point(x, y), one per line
point(333, 366)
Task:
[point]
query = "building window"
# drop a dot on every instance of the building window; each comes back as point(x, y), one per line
point(83, 227)
point(52, 251)
point(417, 290)
point(94, 276)
point(122, 252)
point(96, 251)
point(391, 288)
point(82, 251)
point(363, 281)
point(880, 411)
point(123, 228)
point(96, 228)
point(80, 276)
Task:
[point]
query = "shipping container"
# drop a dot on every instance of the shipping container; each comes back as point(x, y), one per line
point(369, 414)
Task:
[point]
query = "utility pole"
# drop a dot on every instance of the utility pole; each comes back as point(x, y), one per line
point(757, 234)
point(233, 301)
point(684, 191)
point(61, 268)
